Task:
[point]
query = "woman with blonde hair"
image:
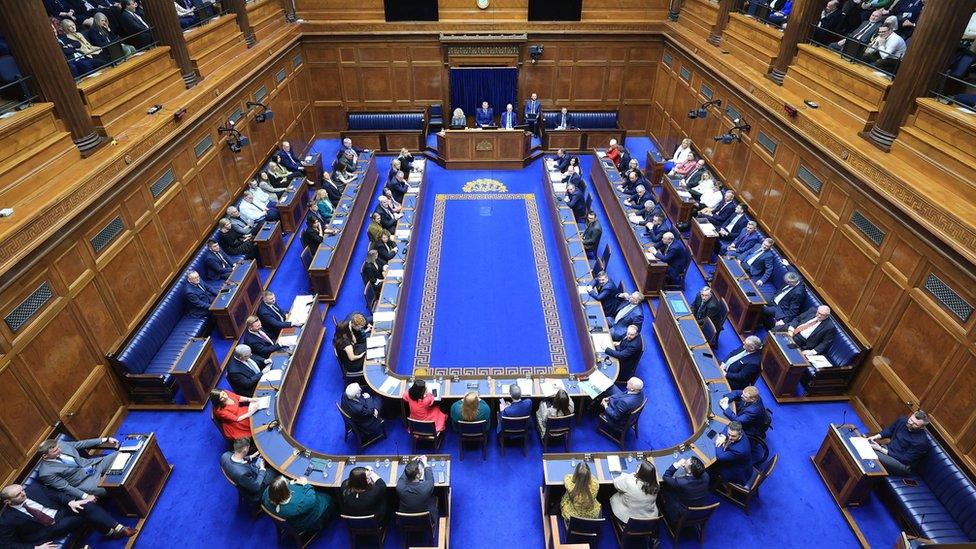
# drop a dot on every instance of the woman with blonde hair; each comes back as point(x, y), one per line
point(458, 119)
point(470, 408)
point(580, 497)
point(323, 205)
point(84, 46)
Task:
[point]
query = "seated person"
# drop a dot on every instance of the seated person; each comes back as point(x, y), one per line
point(723, 212)
point(574, 174)
point(780, 16)
point(628, 313)
point(360, 327)
point(576, 201)
point(388, 218)
point(363, 411)
point(230, 416)
point(304, 508)
point(618, 406)
point(348, 148)
point(625, 159)
point(261, 197)
point(813, 331)
point(784, 307)
point(244, 371)
point(415, 488)
point(458, 119)
point(78, 62)
point(398, 186)
point(233, 242)
point(258, 340)
point(63, 469)
point(759, 261)
point(684, 167)
point(218, 265)
point(272, 317)
point(375, 227)
point(342, 174)
point(605, 292)
point(253, 212)
point(36, 516)
point(628, 352)
point(484, 115)
point(276, 173)
point(364, 494)
point(707, 306)
point(470, 408)
point(197, 296)
point(632, 180)
point(564, 121)
point(906, 446)
point(322, 205)
point(373, 271)
point(101, 34)
point(613, 153)
point(885, 50)
point(508, 119)
point(80, 42)
point(287, 159)
point(749, 411)
point(731, 229)
point(350, 358)
point(733, 456)
point(347, 161)
point(386, 249)
point(633, 167)
point(741, 366)
point(241, 225)
point(592, 234)
point(422, 405)
point(560, 406)
point(748, 237)
point(314, 234)
point(694, 177)
point(518, 407)
point(671, 251)
point(657, 227)
point(395, 167)
point(640, 199)
point(246, 470)
point(562, 160)
point(685, 484)
point(333, 189)
point(682, 151)
point(405, 158)
point(636, 495)
point(580, 497)
point(710, 195)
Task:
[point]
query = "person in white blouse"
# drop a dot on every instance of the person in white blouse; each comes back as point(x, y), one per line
point(636, 495)
point(711, 194)
point(683, 149)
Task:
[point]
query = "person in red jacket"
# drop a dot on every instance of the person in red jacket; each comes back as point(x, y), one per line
point(230, 415)
point(423, 407)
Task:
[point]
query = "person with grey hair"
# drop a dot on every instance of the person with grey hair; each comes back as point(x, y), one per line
point(907, 443)
point(629, 313)
point(253, 212)
point(35, 516)
point(286, 158)
point(785, 305)
point(101, 35)
point(618, 406)
point(240, 225)
point(363, 412)
point(758, 261)
point(518, 407)
point(741, 366)
point(244, 372)
point(197, 296)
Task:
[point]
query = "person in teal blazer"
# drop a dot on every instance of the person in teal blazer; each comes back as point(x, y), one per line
point(470, 408)
point(303, 507)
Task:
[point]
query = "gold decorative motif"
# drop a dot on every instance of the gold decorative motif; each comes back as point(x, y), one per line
point(483, 186)
point(484, 145)
point(483, 50)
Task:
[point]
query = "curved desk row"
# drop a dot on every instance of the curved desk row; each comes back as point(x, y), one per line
point(647, 271)
point(331, 260)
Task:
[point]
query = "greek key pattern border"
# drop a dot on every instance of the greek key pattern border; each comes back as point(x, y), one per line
point(428, 305)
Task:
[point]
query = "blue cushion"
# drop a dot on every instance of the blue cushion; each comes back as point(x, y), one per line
point(386, 121)
point(587, 120)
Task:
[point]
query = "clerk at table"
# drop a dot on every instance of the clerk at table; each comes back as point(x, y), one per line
point(484, 115)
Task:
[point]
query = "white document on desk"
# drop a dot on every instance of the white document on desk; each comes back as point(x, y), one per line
point(403, 234)
point(300, 308)
point(600, 380)
point(394, 273)
point(271, 375)
point(120, 461)
point(708, 229)
point(583, 289)
point(633, 218)
point(262, 403)
point(288, 340)
point(601, 341)
point(375, 353)
point(819, 362)
point(613, 464)
point(559, 187)
point(551, 386)
point(384, 316)
point(863, 447)
point(389, 385)
point(373, 342)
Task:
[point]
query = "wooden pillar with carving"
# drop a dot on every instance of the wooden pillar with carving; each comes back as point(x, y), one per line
point(722, 21)
point(239, 7)
point(939, 27)
point(674, 9)
point(166, 28)
point(798, 29)
point(38, 54)
point(289, 6)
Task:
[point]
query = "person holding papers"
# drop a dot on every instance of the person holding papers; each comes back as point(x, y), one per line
point(907, 443)
point(813, 331)
point(741, 366)
point(628, 352)
point(560, 405)
point(618, 406)
point(636, 495)
point(484, 115)
point(229, 414)
point(422, 405)
point(363, 411)
point(629, 313)
point(344, 343)
point(508, 118)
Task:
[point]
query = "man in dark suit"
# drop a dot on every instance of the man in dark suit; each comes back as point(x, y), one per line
point(197, 296)
point(272, 317)
point(723, 212)
point(484, 115)
point(363, 412)
point(685, 484)
point(286, 158)
point(388, 218)
point(706, 306)
point(605, 292)
point(733, 456)
point(829, 24)
point(531, 113)
point(749, 410)
point(348, 149)
point(747, 238)
point(628, 313)
point(518, 407)
point(261, 344)
point(640, 198)
point(785, 305)
point(134, 26)
point(857, 40)
point(759, 261)
point(415, 489)
point(741, 366)
point(625, 159)
point(728, 231)
point(813, 331)
point(563, 120)
point(628, 352)
point(634, 180)
point(398, 186)
point(243, 372)
point(618, 406)
point(657, 227)
point(562, 160)
point(671, 251)
point(576, 201)
point(35, 516)
point(508, 119)
point(247, 471)
point(592, 234)
point(218, 265)
point(575, 179)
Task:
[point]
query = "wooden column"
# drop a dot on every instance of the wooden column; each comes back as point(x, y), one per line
point(798, 29)
point(38, 54)
point(724, 7)
point(240, 8)
point(674, 9)
point(166, 28)
point(289, 6)
point(937, 34)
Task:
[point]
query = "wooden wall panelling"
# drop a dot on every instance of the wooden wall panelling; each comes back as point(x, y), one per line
point(266, 17)
point(34, 148)
point(24, 422)
point(96, 405)
point(881, 396)
point(212, 44)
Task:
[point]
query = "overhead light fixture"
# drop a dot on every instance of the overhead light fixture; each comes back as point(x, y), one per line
point(734, 133)
point(265, 114)
point(702, 112)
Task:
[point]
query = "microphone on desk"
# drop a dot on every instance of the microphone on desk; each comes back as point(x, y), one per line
point(845, 418)
point(388, 302)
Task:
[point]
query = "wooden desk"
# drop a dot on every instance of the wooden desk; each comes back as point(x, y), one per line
point(197, 370)
point(849, 478)
point(137, 487)
point(745, 301)
point(654, 167)
point(782, 367)
point(236, 300)
point(581, 139)
point(476, 149)
point(312, 164)
point(293, 205)
point(702, 241)
point(676, 206)
point(648, 272)
point(270, 244)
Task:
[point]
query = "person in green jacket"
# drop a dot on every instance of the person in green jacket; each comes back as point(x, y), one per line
point(470, 408)
point(302, 506)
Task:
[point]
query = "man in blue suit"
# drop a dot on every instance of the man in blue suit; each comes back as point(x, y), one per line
point(628, 352)
point(518, 407)
point(673, 252)
point(218, 265)
point(272, 317)
point(733, 456)
point(363, 412)
point(197, 296)
point(508, 119)
point(618, 406)
point(741, 366)
point(244, 371)
point(750, 412)
point(398, 186)
point(686, 484)
point(261, 344)
point(563, 120)
point(576, 201)
point(748, 237)
point(657, 227)
point(531, 112)
point(605, 291)
point(286, 158)
point(629, 313)
point(562, 160)
point(787, 303)
point(484, 115)
point(723, 212)
point(734, 225)
point(758, 261)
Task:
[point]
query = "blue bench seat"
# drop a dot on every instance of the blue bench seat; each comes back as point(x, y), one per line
point(585, 120)
point(386, 121)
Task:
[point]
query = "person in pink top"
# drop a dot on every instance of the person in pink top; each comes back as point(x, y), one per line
point(422, 405)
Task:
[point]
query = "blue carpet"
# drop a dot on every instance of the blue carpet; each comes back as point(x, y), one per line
point(495, 503)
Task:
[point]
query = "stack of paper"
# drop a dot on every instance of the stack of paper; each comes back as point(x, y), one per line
point(600, 380)
point(559, 187)
point(551, 386)
point(271, 375)
point(262, 403)
point(389, 385)
point(684, 194)
point(583, 289)
point(634, 218)
point(384, 316)
point(375, 353)
point(118, 464)
point(601, 154)
point(708, 229)
point(300, 308)
point(613, 463)
point(403, 234)
point(601, 341)
point(375, 341)
point(395, 273)
point(288, 340)
point(863, 448)
point(819, 362)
